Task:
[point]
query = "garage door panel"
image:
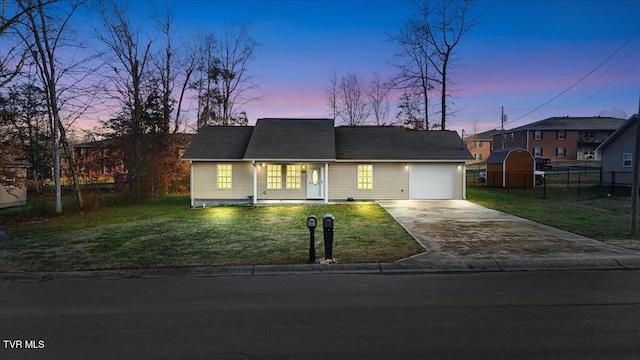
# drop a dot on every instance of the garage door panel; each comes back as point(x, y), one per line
point(432, 181)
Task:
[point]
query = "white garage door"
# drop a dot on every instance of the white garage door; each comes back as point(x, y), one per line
point(432, 181)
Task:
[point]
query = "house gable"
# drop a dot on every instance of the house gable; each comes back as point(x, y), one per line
point(292, 139)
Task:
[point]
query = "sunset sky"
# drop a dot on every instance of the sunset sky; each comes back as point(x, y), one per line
point(522, 55)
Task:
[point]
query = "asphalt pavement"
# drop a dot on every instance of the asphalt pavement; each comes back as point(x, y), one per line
point(567, 315)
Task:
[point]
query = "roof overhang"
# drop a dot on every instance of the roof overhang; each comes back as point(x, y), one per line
point(291, 160)
point(406, 160)
point(214, 160)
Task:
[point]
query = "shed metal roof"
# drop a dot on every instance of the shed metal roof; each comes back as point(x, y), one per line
point(500, 155)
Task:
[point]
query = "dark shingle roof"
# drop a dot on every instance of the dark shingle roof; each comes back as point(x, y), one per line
point(398, 143)
point(219, 143)
point(485, 135)
point(573, 123)
point(292, 139)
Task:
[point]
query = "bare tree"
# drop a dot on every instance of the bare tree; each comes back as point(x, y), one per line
point(352, 97)
point(452, 21)
point(378, 96)
point(14, 53)
point(409, 111)
point(223, 79)
point(415, 76)
point(204, 79)
point(236, 51)
point(164, 63)
point(187, 62)
point(175, 66)
point(45, 33)
point(331, 94)
point(129, 65)
point(427, 41)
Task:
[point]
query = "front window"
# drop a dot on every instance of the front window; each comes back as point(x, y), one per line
point(626, 159)
point(560, 152)
point(224, 176)
point(560, 134)
point(274, 177)
point(293, 177)
point(479, 157)
point(365, 177)
point(478, 144)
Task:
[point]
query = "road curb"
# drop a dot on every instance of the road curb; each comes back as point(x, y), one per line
point(400, 267)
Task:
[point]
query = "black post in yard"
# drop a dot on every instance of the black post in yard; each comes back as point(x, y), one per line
point(312, 245)
point(578, 184)
point(613, 182)
point(544, 187)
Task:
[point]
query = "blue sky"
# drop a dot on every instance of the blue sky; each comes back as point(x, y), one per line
point(521, 55)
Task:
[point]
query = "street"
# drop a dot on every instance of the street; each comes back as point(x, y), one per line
point(506, 315)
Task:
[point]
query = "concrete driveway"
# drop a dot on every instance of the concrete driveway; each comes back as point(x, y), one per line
point(458, 229)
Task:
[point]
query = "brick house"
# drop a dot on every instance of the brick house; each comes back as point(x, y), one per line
point(481, 145)
point(102, 161)
point(561, 138)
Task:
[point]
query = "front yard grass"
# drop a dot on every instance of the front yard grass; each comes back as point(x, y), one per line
point(168, 233)
point(592, 212)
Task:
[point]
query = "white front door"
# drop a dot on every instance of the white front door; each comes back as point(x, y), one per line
point(315, 180)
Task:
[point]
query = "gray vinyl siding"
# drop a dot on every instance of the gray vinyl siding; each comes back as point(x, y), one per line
point(612, 157)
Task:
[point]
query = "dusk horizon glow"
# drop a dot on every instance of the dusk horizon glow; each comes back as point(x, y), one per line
point(520, 56)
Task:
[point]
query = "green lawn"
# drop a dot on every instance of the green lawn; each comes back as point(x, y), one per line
point(590, 212)
point(168, 233)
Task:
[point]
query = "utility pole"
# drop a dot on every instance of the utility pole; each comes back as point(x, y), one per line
point(502, 125)
point(636, 180)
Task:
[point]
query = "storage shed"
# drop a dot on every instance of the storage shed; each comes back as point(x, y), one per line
point(510, 167)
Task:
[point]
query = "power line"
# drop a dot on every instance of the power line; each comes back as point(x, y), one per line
point(604, 86)
point(577, 82)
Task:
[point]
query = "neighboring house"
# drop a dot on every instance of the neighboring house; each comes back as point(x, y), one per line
point(617, 154)
point(102, 161)
point(97, 161)
point(13, 191)
point(480, 145)
point(311, 159)
point(561, 138)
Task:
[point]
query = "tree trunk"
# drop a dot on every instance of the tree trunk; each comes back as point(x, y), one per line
point(72, 166)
